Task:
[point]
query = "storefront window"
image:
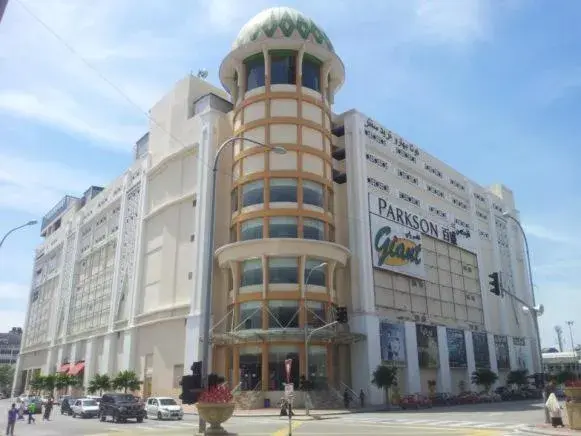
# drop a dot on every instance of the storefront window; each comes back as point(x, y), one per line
point(283, 314)
point(234, 199)
point(251, 229)
point(250, 367)
point(315, 274)
point(311, 73)
point(282, 270)
point(253, 193)
point(313, 193)
point(283, 227)
point(313, 229)
point(316, 314)
point(282, 68)
point(251, 272)
point(283, 190)
point(255, 72)
point(318, 365)
point(250, 315)
point(277, 354)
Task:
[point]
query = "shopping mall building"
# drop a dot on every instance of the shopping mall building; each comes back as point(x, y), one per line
point(350, 215)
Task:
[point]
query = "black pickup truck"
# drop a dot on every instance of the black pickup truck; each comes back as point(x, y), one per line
point(121, 407)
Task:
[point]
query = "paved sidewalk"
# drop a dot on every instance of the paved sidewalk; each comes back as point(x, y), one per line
point(548, 429)
point(273, 412)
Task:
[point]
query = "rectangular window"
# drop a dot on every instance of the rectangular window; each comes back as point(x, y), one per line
point(282, 68)
point(315, 272)
point(283, 314)
point(283, 227)
point(311, 73)
point(283, 270)
point(313, 229)
point(313, 193)
point(251, 272)
point(255, 72)
point(283, 190)
point(253, 193)
point(250, 315)
point(251, 229)
point(316, 314)
point(277, 355)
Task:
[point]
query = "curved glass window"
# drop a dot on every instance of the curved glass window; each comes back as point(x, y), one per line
point(283, 314)
point(283, 68)
point(277, 354)
point(315, 272)
point(312, 73)
point(250, 367)
point(313, 229)
point(255, 72)
point(234, 199)
point(330, 201)
point(318, 365)
point(251, 272)
point(283, 227)
point(251, 229)
point(313, 193)
point(316, 314)
point(283, 270)
point(253, 193)
point(250, 315)
point(283, 190)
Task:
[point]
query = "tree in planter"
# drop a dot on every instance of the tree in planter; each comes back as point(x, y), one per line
point(6, 378)
point(62, 382)
point(565, 376)
point(384, 377)
point(99, 383)
point(49, 383)
point(484, 377)
point(37, 384)
point(518, 377)
point(126, 380)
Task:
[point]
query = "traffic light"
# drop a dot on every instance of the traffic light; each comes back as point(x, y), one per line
point(190, 390)
point(494, 283)
point(341, 315)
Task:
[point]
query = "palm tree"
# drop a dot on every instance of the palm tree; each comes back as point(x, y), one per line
point(126, 380)
point(518, 377)
point(49, 383)
point(99, 383)
point(484, 377)
point(63, 381)
point(37, 383)
point(384, 377)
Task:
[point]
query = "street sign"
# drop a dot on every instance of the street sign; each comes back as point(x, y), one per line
point(287, 365)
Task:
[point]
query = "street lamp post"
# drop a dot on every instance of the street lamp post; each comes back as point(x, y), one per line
point(534, 311)
point(209, 254)
point(29, 223)
point(570, 325)
point(306, 325)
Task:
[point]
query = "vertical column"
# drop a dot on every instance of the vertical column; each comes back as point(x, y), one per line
point(492, 354)
point(70, 282)
point(414, 383)
point(128, 359)
point(444, 376)
point(235, 365)
point(89, 361)
point(49, 364)
point(73, 353)
point(108, 358)
point(330, 365)
point(471, 367)
point(512, 354)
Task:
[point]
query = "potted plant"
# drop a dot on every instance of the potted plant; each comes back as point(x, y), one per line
point(573, 390)
point(216, 404)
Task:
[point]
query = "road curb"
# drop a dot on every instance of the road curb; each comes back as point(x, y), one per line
point(550, 432)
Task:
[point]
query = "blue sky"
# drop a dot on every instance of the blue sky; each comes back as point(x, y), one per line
point(491, 87)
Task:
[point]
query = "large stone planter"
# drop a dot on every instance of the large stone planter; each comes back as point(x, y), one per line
point(574, 394)
point(215, 414)
point(574, 415)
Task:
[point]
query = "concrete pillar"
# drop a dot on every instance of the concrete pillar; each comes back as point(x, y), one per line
point(89, 361)
point(512, 354)
point(127, 361)
point(444, 377)
point(414, 384)
point(469, 358)
point(109, 356)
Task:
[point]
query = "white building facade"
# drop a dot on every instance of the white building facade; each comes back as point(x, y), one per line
point(118, 281)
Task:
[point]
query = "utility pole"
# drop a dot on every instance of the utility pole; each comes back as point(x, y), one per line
point(559, 331)
point(570, 324)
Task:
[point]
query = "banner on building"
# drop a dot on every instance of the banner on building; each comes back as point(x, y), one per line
point(427, 339)
point(520, 352)
point(392, 342)
point(502, 352)
point(395, 247)
point(481, 351)
point(456, 348)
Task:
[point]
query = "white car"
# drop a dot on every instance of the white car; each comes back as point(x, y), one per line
point(85, 408)
point(163, 408)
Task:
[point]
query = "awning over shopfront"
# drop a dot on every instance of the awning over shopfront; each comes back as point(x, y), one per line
point(64, 368)
point(77, 368)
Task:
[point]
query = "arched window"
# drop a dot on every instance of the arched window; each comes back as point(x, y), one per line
point(311, 73)
point(255, 71)
point(283, 67)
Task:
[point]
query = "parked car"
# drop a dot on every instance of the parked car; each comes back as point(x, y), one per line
point(163, 408)
point(415, 401)
point(66, 405)
point(468, 398)
point(443, 399)
point(85, 408)
point(121, 407)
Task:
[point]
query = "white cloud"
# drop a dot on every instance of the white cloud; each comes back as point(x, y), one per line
point(13, 291)
point(11, 318)
point(547, 233)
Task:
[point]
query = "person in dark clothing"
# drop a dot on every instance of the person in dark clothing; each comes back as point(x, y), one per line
point(362, 398)
point(12, 417)
point(346, 398)
point(48, 409)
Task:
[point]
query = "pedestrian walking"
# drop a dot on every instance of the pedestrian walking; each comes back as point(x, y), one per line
point(12, 416)
point(554, 409)
point(549, 389)
point(362, 398)
point(48, 409)
point(21, 409)
point(346, 398)
point(31, 412)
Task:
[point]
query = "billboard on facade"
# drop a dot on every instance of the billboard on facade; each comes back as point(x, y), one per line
point(520, 352)
point(392, 342)
point(456, 348)
point(502, 352)
point(395, 247)
point(481, 351)
point(427, 338)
